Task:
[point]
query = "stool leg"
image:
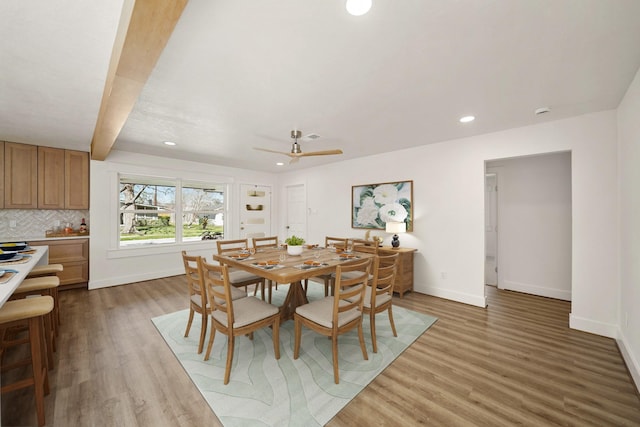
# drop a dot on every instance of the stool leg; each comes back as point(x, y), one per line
point(39, 371)
point(49, 338)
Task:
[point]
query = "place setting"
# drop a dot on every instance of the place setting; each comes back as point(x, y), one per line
point(6, 275)
point(13, 257)
point(309, 264)
point(268, 265)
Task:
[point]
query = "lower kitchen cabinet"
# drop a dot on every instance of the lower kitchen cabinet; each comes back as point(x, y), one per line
point(73, 254)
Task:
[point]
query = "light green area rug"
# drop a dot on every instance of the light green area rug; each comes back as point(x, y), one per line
point(264, 391)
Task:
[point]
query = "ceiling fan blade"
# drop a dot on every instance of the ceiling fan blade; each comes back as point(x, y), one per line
point(322, 153)
point(294, 159)
point(272, 151)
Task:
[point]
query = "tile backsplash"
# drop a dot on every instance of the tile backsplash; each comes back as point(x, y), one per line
point(32, 223)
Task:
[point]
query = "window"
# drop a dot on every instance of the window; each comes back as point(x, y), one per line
point(166, 210)
point(202, 211)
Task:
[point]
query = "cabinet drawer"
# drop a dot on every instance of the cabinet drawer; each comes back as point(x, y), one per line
point(69, 251)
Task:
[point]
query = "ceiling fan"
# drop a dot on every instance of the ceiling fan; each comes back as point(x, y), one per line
point(296, 151)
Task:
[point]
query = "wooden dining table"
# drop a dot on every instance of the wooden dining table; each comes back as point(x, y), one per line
point(266, 263)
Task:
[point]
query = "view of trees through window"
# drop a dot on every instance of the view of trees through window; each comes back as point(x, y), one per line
point(155, 211)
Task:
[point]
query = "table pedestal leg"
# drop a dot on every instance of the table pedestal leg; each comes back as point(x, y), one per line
point(295, 297)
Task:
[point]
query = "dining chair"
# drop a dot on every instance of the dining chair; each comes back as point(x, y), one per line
point(198, 296)
point(262, 243)
point(339, 243)
point(335, 315)
point(359, 244)
point(367, 249)
point(237, 277)
point(378, 295)
point(236, 317)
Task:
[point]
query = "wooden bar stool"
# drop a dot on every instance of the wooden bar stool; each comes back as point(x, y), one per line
point(49, 270)
point(28, 312)
point(45, 285)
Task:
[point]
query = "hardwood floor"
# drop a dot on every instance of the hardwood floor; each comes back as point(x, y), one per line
point(515, 363)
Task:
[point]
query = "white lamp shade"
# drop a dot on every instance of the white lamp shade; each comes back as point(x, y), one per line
point(358, 7)
point(396, 227)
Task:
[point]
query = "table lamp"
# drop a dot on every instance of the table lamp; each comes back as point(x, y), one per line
point(396, 227)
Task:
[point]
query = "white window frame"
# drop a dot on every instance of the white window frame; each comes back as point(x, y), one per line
point(178, 184)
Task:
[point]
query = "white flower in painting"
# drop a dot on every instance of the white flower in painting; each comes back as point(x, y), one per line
point(385, 193)
point(368, 202)
point(367, 215)
point(393, 212)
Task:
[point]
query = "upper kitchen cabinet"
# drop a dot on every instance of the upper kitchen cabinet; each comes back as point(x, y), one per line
point(20, 176)
point(63, 179)
point(51, 177)
point(76, 180)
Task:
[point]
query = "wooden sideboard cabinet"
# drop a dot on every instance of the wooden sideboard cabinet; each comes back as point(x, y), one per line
point(73, 254)
point(404, 275)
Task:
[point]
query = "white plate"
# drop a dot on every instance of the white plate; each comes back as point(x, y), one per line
point(16, 257)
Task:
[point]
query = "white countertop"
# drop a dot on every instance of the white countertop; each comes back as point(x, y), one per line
point(41, 256)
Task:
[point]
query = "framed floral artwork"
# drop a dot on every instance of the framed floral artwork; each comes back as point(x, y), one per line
point(373, 205)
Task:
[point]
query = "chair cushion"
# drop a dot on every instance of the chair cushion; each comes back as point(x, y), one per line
point(321, 312)
point(197, 301)
point(42, 270)
point(235, 294)
point(25, 308)
point(240, 276)
point(351, 275)
point(37, 284)
point(246, 311)
point(380, 299)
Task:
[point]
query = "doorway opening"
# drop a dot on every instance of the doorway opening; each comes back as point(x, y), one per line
point(529, 199)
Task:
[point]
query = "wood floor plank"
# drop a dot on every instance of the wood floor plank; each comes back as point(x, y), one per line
point(514, 363)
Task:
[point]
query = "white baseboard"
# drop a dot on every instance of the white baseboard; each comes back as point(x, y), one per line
point(477, 300)
point(535, 290)
point(132, 278)
point(629, 359)
point(587, 325)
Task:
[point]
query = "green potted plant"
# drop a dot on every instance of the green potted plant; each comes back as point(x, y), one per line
point(294, 245)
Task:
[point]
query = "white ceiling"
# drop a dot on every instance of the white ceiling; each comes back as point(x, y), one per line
point(237, 74)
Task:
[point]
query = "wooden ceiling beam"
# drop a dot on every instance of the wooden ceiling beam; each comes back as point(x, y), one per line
point(144, 30)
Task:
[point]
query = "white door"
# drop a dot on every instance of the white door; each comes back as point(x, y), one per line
point(255, 211)
point(296, 223)
point(491, 229)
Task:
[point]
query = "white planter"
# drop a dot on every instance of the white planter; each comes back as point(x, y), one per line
point(294, 250)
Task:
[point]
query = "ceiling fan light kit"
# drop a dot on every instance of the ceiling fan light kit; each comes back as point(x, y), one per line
point(296, 151)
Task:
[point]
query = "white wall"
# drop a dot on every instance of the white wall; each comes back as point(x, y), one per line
point(629, 144)
point(448, 198)
point(534, 223)
point(109, 266)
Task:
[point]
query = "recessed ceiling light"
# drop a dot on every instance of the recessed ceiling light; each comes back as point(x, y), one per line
point(169, 143)
point(279, 164)
point(467, 119)
point(358, 7)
